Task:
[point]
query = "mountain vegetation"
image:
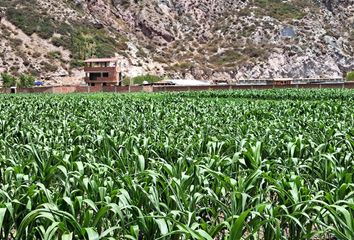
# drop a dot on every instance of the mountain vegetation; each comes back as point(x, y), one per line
point(204, 39)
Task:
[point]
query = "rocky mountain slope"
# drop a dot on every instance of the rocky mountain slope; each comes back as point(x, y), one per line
point(203, 39)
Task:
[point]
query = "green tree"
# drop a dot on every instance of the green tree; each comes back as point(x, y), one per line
point(148, 78)
point(26, 80)
point(8, 80)
point(84, 45)
point(350, 76)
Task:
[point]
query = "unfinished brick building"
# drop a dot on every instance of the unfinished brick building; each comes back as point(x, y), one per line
point(103, 72)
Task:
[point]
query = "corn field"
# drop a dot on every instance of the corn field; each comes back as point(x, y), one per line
point(275, 164)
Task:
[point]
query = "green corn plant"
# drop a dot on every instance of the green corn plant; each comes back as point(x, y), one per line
point(274, 164)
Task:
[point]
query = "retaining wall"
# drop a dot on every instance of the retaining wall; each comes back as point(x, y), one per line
point(127, 89)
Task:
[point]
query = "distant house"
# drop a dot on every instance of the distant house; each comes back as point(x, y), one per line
point(103, 72)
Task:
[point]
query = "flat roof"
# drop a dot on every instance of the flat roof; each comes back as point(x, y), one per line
point(186, 82)
point(94, 60)
point(283, 79)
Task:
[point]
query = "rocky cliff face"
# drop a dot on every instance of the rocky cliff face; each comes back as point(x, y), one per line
point(204, 39)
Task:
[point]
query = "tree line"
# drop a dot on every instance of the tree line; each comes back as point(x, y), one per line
point(24, 80)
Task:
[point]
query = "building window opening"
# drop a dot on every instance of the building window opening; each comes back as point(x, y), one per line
point(121, 79)
point(94, 76)
point(105, 74)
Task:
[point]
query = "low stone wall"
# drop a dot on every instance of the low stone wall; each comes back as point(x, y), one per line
point(36, 90)
point(136, 88)
point(64, 89)
point(305, 86)
point(81, 89)
point(122, 89)
point(349, 85)
point(5, 90)
point(128, 89)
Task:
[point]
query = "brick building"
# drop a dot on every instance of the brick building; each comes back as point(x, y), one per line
point(103, 72)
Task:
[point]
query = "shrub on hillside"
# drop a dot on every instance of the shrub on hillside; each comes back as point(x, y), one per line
point(281, 10)
point(47, 67)
point(8, 80)
point(148, 78)
point(54, 55)
point(75, 63)
point(350, 76)
point(228, 56)
point(83, 40)
point(30, 21)
point(26, 80)
point(126, 81)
